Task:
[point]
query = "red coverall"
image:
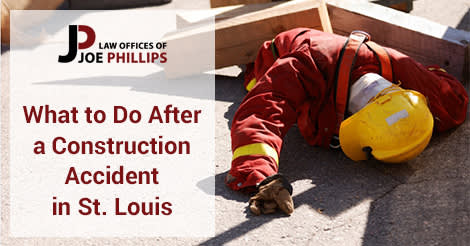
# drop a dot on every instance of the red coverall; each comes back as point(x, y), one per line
point(298, 87)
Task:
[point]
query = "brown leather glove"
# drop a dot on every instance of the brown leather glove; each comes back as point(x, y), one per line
point(274, 192)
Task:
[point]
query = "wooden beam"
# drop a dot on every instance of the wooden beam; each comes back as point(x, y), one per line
point(241, 30)
point(254, 24)
point(426, 41)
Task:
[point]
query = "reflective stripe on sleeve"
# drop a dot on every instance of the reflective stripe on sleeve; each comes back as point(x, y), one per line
point(256, 149)
point(251, 84)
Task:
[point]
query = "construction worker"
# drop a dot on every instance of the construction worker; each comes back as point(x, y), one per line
point(348, 93)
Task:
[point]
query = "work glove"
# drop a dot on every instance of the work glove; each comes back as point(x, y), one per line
point(274, 192)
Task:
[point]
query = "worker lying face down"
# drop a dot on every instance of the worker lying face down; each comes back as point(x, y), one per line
point(348, 93)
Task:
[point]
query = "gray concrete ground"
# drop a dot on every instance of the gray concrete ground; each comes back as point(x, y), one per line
point(337, 201)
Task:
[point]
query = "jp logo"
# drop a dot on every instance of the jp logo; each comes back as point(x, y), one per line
point(73, 41)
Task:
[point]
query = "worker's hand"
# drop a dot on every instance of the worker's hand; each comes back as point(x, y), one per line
point(274, 192)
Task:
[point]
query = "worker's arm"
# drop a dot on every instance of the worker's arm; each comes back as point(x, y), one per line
point(447, 98)
point(258, 127)
point(266, 114)
point(263, 119)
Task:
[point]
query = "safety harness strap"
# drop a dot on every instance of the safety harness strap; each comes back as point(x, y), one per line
point(384, 60)
point(343, 74)
point(346, 63)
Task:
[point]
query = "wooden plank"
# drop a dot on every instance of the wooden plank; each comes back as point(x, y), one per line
point(254, 24)
point(466, 69)
point(241, 30)
point(424, 40)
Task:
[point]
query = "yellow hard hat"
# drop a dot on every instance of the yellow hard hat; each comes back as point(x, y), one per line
point(394, 127)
